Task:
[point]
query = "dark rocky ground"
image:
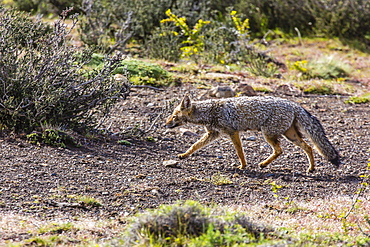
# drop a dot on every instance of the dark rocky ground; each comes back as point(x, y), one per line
point(47, 182)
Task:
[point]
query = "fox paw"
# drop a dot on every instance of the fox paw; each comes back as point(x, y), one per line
point(182, 156)
point(262, 165)
point(310, 170)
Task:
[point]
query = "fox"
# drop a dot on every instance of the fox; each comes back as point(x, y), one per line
point(275, 117)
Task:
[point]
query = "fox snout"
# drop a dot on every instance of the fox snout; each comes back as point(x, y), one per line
point(172, 123)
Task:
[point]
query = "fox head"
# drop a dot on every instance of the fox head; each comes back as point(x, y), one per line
point(180, 114)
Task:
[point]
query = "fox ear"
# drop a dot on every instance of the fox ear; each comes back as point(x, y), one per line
point(186, 102)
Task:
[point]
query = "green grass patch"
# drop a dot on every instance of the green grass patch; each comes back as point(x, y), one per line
point(325, 67)
point(144, 73)
point(192, 224)
point(365, 98)
point(89, 201)
point(139, 72)
point(52, 137)
point(55, 228)
point(317, 87)
point(220, 179)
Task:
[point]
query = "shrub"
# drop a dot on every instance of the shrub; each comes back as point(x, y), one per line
point(325, 67)
point(190, 221)
point(46, 7)
point(162, 44)
point(345, 19)
point(213, 42)
point(328, 67)
point(100, 27)
point(52, 137)
point(42, 77)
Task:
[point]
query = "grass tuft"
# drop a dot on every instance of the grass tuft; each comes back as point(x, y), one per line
point(191, 224)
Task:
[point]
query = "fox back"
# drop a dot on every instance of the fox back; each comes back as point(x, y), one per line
point(274, 115)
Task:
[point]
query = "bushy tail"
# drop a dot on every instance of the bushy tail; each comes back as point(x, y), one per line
point(312, 126)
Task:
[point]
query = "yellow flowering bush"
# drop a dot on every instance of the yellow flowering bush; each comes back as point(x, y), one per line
point(241, 26)
point(194, 43)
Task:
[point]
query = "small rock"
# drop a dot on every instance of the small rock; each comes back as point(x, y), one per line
point(170, 163)
point(140, 176)
point(245, 90)
point(251, 138)
point(187, 132)
point(288, 90)
point(221, 92)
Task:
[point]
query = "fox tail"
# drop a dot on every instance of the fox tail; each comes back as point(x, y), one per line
point(312, 126)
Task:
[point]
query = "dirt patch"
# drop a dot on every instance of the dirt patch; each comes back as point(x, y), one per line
point(48, 182)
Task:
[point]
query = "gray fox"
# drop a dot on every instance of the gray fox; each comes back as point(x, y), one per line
point(274, 117)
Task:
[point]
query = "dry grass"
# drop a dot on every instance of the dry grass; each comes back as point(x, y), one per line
point(317, 217)
point(20, 230)
point(316, 221)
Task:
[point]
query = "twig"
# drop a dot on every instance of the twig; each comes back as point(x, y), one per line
point(361, 230)
point(147, 86)
point(299, 36)
point(354, 202)
point(66, 204)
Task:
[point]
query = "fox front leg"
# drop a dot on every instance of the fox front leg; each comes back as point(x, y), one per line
point(207, 138)
point(235, 138)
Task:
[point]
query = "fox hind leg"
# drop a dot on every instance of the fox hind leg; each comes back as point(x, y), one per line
point(207, 138)
point(275, 144)
point(293, 135)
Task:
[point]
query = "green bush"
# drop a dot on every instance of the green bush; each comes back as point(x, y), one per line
point(191, 224)
point(162, 44)
point(42, 77)
point(51, 137)
point(225, 42)
point(325, 67)
point(53, 7)
point(348, 19)
point(102, 28)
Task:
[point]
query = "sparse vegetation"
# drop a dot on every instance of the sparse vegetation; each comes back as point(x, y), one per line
point(219, 179)
point(365, 98)
point(55, 75)
point(144, 73)
point(89, 201)
point(325, 67)
point(52, 137)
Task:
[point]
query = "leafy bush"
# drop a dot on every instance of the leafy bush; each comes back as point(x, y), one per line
point(51, 137)
point(192, 224)
point(346, 19)
point(54, 7)
point(216, 42)
point(42, 77)
point(325, 67)
point(100, 27)
point(162, 44)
